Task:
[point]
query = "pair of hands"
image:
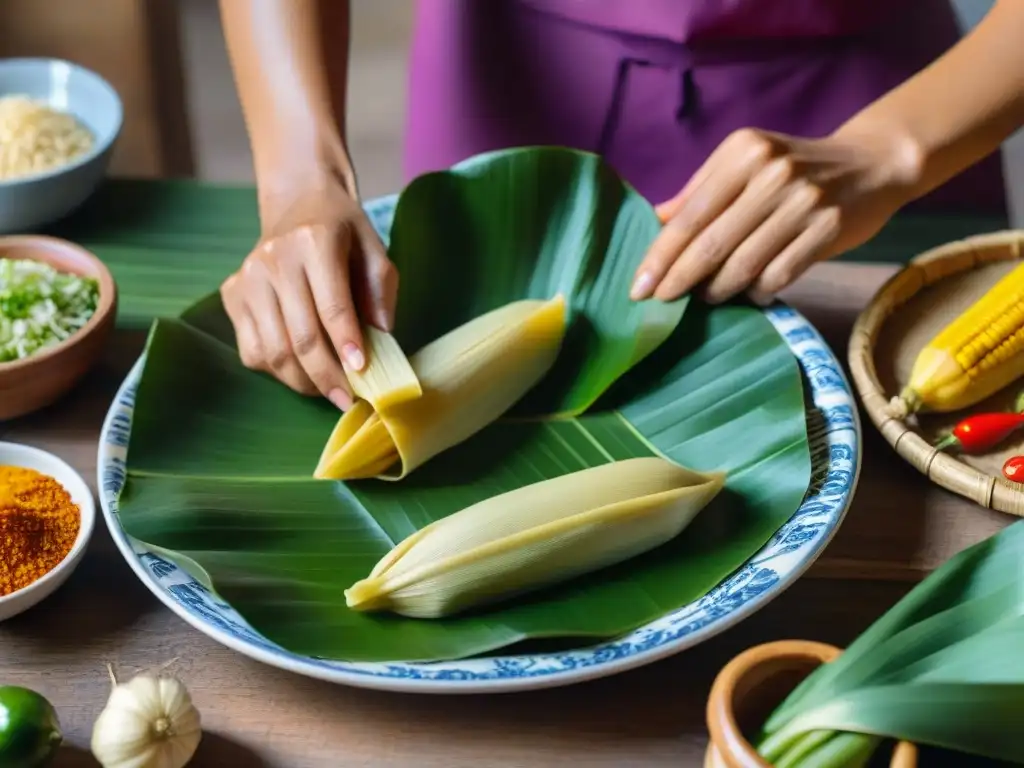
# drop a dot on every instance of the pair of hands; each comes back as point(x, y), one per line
point(755, 216)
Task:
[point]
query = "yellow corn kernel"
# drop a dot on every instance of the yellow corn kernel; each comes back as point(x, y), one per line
point(973, 357)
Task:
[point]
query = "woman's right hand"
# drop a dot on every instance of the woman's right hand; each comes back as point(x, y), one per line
point(297, 300)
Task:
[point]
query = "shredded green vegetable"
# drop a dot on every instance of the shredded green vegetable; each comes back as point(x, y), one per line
point(40, 306)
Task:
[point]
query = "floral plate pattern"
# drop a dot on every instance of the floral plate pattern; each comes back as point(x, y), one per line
point(835, 441)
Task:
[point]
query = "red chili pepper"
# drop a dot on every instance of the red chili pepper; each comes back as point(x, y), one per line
point(979, 433)
point(1013, 469)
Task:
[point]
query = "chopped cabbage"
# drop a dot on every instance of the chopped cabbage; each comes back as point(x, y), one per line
point(40, 306)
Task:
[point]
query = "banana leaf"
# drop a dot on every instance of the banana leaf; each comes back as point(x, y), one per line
point(942, 668)
point(220, 458)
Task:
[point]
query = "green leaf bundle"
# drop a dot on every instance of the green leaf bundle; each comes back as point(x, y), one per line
point(942, 668)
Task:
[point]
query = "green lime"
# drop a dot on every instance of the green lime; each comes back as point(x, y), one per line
point(29, 730)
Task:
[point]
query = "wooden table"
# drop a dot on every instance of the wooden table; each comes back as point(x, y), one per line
point(899, 528)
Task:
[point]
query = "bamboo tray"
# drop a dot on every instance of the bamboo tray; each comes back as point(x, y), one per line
point(903, 316)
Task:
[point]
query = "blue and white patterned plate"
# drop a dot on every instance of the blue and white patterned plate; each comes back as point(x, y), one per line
point(835, 439)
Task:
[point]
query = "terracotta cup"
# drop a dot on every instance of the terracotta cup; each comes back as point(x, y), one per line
point(38, 380)
point(750, 686)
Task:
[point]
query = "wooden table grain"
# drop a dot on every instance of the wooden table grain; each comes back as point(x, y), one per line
point(898, 529)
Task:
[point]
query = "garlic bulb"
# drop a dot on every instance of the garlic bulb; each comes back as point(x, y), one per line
point(149, 722)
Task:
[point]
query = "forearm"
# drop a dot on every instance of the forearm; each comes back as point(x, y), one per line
point(959, 109)
point(290, 63)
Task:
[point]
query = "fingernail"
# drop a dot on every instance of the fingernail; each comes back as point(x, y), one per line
point(761, 299)
point(641, 287)
point(353, 356)
point(340, 398)
point(384, 321)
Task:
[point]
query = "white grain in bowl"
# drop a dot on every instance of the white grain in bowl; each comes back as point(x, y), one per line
point(35, 137)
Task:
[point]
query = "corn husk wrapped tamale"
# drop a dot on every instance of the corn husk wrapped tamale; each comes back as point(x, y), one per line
point(388, 378)
point(466, 379)
point(536, 536)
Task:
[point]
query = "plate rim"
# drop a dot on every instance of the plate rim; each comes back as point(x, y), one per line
point(388, 676)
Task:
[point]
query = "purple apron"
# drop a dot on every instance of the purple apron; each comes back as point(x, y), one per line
point(655, 85)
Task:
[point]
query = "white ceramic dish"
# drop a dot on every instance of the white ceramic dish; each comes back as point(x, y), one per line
point(28, 203)
point(13, 454)
point(835, 440)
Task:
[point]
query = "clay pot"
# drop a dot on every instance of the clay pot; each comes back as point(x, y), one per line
point(38, 380)
point(750, 686)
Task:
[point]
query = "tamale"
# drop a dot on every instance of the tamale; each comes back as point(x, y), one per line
point(535, 536)
point(388, 378)
point(468, 378)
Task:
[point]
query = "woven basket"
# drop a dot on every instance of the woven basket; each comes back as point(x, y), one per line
point(907, 312)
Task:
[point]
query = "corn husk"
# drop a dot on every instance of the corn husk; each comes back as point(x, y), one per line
point(388, 378)
point(974, 356)
point(468, 378)
point(536, 536)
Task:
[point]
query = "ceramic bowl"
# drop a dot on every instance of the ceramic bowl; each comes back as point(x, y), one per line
point(13, 454)
point(31, 202)
point(751, 685)
point(38, 380)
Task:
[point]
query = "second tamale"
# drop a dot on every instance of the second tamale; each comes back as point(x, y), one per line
point(536, 536)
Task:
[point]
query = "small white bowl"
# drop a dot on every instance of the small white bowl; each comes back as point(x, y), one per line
point(12, 454)
point(29, 203)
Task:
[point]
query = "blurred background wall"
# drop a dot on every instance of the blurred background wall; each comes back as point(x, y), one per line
point(139, 42)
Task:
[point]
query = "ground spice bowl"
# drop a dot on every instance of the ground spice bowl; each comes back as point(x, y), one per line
point(41, 379)
point(13, 454)
point(750, 686)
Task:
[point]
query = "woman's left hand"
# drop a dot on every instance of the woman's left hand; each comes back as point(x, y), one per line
point(764, 207)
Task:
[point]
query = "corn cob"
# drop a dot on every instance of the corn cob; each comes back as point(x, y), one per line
point(535, 536)
point(467, 379)
point(973, 357)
